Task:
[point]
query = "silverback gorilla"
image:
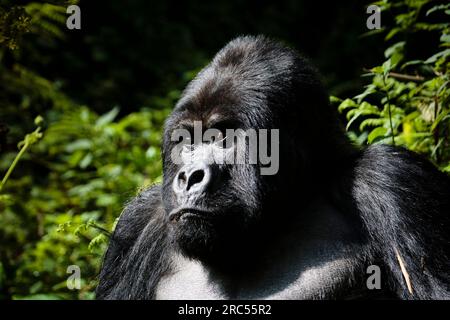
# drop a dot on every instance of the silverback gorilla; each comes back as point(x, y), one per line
point(310, 231)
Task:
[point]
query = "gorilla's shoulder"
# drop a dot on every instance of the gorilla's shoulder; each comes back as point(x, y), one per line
point(404, 202)
point(141, 210)
point(394, 167)
point(140, 228)
point(401, 178)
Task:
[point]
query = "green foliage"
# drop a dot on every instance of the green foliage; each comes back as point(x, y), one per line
point(13, 23)
point(407, 101)
point(25, 93)
point(64, 189)
point(47, 18)
point(92, 164)
point(29, 140)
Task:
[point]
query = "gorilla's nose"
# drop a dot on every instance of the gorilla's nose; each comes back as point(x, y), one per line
point(193, 178)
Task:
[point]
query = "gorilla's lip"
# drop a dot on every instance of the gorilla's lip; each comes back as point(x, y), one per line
point(176, 214)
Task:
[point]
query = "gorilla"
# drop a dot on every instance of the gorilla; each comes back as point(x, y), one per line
point(313, 230)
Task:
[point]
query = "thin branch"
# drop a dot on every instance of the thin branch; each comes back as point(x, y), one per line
point(407, 77)
point(106, 232)
point(402, 76)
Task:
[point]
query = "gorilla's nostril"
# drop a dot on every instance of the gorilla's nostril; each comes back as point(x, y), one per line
point(182, 177)
point(196, 177)
point(181, 180)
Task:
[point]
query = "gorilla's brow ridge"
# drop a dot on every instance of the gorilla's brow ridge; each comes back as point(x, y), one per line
point(216, 117)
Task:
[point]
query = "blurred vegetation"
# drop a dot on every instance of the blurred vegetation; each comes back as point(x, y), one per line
point(61, 200)
point(407, 101)
point(81, 112)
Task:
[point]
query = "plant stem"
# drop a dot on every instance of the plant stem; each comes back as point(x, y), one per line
point(407, 77)
point(13, 165)
point(389, 109)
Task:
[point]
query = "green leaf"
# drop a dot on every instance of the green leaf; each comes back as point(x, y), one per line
point(377, 70)
point(399, 46)
point(438, 55)
point(376, 133)
point(364, 109)
point(97, 241)
point(334, 99)
point(370, 89)
point(105, 200)
point(371, 123)
point(38, 120)
point(347, 104)
point(438, 8)
point(412, 63)
point(107, 117)
point(444, 115)
point(392, 33)
point(86, 161)
point(387, 67)
point(80, 144)
point(445, 38)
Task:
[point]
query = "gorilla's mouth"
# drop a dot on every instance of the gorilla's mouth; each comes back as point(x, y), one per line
point(185, 213)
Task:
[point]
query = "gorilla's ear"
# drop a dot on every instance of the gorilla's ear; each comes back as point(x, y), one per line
point(137, 250)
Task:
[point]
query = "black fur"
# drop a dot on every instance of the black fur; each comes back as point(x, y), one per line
point(405, 205)
point(397, 203)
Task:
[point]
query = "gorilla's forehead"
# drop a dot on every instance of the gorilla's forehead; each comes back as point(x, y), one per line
point(244, 78)
point(211, 108)
point(210, 98)
point(219, 97)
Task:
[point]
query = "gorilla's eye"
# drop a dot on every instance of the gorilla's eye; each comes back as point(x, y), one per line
point(183, 140)
point(220, 136)
point(188, 140)
point(222, 132)
point(188, 137)
point(223, 126)
point(213, 135)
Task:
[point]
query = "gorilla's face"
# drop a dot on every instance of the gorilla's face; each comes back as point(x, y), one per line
point(210, 198)
point(212, 204)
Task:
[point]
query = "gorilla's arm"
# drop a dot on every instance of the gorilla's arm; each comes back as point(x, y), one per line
point(136, 257)
point(404, 202)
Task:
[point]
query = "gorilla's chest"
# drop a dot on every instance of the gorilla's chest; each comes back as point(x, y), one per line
point(315, 277)
point(312, 260)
